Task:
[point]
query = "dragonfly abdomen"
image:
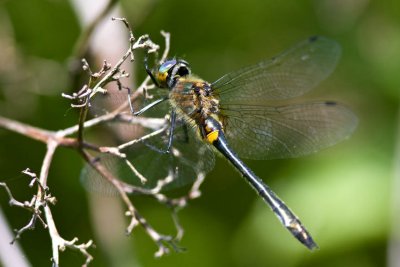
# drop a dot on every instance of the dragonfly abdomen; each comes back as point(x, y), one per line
point(216, 137)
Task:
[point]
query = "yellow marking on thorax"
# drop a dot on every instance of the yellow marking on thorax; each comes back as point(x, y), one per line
point(162, 77)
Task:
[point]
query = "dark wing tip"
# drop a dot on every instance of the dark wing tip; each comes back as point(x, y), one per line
point(302, 235)
point(313, 38)
point(310, 244)
point(331, 103)
point(334, 46)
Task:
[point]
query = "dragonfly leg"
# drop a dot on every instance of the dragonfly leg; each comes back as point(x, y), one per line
point(170, 136)
point(149, 72)
point(149, 106)
point(171, 130)
point(130, 101)
point(121, 87)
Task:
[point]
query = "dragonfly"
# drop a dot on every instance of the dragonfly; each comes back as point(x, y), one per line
point(249, 113)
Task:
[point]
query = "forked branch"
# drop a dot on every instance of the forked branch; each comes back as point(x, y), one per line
point(39, 204)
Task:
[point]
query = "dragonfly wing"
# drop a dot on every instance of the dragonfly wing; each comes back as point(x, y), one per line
point(290, 74)
point(259, 132)
point(189, 158)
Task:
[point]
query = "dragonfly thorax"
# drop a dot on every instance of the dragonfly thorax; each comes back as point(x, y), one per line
point(194, 98)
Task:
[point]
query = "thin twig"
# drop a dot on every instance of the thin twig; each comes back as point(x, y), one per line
point(58, 243)
point(24, 129)
point(96, 84)
point(167, 37)
point(132, 212)
point(31, 207)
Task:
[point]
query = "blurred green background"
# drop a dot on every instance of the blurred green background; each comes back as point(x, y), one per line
point(345, 195)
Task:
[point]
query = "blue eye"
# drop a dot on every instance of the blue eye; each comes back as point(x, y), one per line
point(167, 65)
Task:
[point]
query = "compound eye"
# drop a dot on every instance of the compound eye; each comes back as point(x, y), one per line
point(164, 71)
point(183, 71)
point(166, 66)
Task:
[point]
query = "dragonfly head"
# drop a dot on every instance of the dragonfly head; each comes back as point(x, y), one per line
point(170, 71)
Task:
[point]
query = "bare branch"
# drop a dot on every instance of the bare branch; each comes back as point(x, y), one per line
point(24, 129)
point(34, 205)
point(38, 205)
point(58, 243)
point(167, 37)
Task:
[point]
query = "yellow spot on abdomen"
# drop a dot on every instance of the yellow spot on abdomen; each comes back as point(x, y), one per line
point(212, 136)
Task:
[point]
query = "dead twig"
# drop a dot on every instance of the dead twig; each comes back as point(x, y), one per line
point(38, 205)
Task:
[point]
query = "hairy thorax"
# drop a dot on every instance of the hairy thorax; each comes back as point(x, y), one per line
point(194, 99)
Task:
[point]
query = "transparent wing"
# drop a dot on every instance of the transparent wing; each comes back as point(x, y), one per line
point(189, 158)
point(288, 75)
point(258, 132)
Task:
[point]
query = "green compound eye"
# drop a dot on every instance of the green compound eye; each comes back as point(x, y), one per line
point(166, 66)
point(171, 70)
